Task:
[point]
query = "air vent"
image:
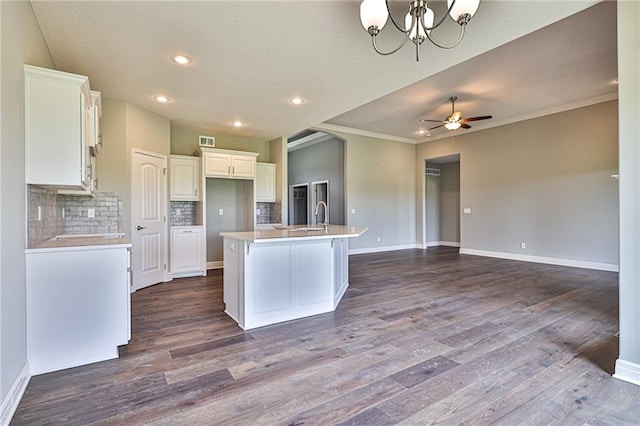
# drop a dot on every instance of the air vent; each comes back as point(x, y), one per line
point(209, 141)
point(432, 172)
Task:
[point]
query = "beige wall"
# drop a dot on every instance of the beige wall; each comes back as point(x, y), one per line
point(544, 181)
point(380, 184)
point(21, 44)
point(125, 126)
point(185, 142)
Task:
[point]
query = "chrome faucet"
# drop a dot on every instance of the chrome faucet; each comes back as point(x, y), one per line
point(326, 214)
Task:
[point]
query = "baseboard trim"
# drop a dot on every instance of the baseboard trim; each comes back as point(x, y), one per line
point(627, 371)
point(216, 264)
point(383, 249)
point(541, 259)
point(442, 243)
point(11, 402)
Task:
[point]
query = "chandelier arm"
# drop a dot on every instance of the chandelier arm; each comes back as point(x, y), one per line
point(433, 27)
point(451, 46)
point(375, 46)
point(400, 28)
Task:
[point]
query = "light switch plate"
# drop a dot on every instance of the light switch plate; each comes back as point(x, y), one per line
point(467, 210)
point(220, 212)
point(353, 211)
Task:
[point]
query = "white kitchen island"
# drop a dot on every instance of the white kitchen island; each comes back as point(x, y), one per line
point(278, 275)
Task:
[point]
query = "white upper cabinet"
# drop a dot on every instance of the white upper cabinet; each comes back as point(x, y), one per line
point(266, 182)
point(184, 178)
point(229, 164)
point(58, 126)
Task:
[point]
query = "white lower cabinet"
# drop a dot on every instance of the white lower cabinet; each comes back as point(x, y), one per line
point(187, 257)
point(78, 306)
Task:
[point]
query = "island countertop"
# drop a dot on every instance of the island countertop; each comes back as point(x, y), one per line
point(297, 233)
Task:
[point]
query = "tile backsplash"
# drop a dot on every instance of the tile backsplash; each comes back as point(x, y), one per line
point(68, 214)
point(187, 216)
point(269, 213)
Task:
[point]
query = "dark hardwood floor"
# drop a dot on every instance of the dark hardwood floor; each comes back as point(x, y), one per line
point(421, 337)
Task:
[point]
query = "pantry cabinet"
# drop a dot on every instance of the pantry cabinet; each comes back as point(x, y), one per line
point(184, 178)
point(220, 163)
point(61, 118)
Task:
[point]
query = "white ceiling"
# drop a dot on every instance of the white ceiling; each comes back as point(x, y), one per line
point(250, 57)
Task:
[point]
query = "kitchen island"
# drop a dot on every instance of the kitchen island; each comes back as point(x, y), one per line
point(278, 275)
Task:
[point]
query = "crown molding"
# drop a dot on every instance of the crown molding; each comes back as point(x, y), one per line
point(335, 128)
point(536, 114)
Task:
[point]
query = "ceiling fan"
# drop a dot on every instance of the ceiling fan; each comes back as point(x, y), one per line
point(455, 120)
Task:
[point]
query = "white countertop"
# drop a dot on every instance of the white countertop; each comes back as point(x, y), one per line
point(81, 242)
point(296, 233)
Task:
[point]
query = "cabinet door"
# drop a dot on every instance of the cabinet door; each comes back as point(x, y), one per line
point(185, 251)
point(244, 167)
point(184, 179)
point(266, 182)
point(217, 164)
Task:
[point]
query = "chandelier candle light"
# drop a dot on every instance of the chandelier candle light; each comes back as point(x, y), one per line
point(418, 23)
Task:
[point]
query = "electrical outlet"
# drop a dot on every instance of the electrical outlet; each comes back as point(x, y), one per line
point(523, 245)
point(353, 211)
point(378, 239)
point(39, 213)
point(220, 212)
point(178, 212)
point(91, 213)
point(467, 210)
point(257, 212)
point(63, 213)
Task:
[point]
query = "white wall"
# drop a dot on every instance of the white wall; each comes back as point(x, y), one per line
point(545, 181)
point(628, 363)
point(21, 43)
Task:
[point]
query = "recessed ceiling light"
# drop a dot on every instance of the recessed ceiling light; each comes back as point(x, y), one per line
point(296, 100)
point(421, 132)
point(180, 59)
point(237, 123)
point(162, 99)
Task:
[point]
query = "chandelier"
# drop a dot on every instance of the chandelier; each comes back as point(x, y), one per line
point(418, 23)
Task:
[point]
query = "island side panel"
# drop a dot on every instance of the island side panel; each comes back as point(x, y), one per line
point(233, 279)
point(340, 269)
point(312, 277)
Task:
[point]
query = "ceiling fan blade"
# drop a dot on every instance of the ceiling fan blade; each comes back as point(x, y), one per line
point(465, 126)
point(432, 121)
point(436, 127)
point(482, 117)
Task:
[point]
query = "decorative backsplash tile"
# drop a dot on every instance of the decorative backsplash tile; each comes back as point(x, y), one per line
point(269, 213)
point(187, 216)
point(68, 214)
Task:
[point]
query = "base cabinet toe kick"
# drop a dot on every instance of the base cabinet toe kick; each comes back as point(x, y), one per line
point(271, 278)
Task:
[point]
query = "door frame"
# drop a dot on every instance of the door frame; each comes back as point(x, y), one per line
point(292, 203)
point(165, 229)
point(314, 202)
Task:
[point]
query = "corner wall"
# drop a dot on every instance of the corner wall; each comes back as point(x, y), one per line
point(546, 182)
point(21, 44)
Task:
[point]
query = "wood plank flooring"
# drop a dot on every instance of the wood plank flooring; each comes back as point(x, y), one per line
point(421, 337)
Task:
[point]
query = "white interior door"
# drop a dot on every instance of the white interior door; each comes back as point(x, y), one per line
point(148, 217)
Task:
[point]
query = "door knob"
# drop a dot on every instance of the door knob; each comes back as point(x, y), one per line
point(140, 228)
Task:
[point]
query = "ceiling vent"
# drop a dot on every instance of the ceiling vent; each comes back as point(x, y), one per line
point(432, 172)
point(208, 141)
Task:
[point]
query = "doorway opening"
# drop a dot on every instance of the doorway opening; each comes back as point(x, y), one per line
point(442, 202)
point(299, 207)
point(319, 192)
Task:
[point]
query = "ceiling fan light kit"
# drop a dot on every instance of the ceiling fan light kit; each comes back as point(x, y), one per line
point(455, 120)
point(418, 23)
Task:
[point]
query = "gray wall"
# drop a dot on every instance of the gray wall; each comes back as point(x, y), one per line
point(544, 181)
point(21, 44)
point(380, 184)
point(629, 119)
point(432, 208)
point(450, 202)
point(229, 195)
point(322, 161)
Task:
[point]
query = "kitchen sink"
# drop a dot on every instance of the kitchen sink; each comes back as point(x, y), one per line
point(310, 228)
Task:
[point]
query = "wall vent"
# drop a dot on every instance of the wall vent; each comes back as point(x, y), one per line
point(431, 172)
point(208, 141)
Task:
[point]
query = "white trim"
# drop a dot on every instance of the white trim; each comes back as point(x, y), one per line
point(442, 243)
point(335, 128)
point(216, 264)
point(383, 249)
point(541, 259)
point(627, 371)
point(12, 400)
point(535, 114)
